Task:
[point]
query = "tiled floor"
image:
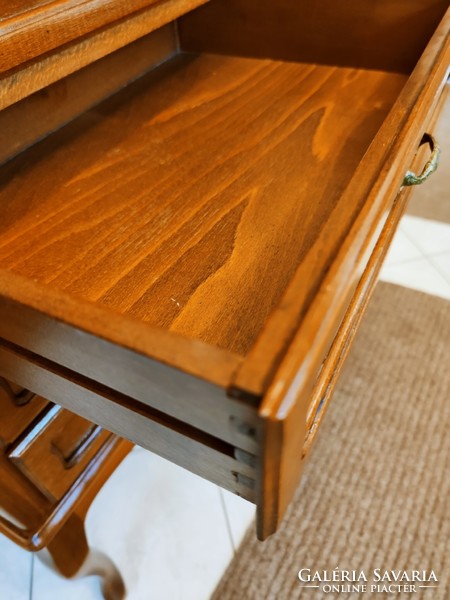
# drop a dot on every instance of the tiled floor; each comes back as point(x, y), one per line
point(171, 533)
point(419, 257)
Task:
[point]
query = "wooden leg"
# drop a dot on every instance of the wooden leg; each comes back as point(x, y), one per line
point(69, 555)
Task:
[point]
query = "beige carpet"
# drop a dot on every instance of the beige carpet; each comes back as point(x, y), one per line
point(376, 491)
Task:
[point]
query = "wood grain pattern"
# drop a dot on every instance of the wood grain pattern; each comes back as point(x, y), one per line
point(207, 230)
point(154, 210)
point(31, 119)
point(23, 506)
point(376, 182)
point(41, 453)
point(32, 520)
point(29, 77)
point(187, 381)
point(339, 349)
point(387, 34)
point(30, 29)
point(290, 434)
point(210, 458)
point(302, 380)
point(15, 419)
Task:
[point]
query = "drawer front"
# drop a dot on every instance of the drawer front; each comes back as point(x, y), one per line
point(18, 408)
point(57, 450)
point(329, 374)
point(290, 435)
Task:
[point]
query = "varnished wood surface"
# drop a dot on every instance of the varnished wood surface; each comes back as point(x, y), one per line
point(31, 28)
point(329, 375)
point(33, 520)
point(45, 453)
point(289, 439)
point(286, 405)
point(24, 123)
point(376, 182)
point(189, 201)
point(22, 504)
point(69, 554)
point(386, 34)
point(201, 454)
point(14, 418)
point(251, 186)
point(187, 382)
point(34, 75)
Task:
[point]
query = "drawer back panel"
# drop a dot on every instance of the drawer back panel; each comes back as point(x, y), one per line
point(388, 35)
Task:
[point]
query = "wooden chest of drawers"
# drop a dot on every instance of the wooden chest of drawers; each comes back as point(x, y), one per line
point(186, 263)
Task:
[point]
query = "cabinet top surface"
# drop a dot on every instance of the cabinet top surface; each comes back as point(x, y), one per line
point(14, 8)
point(13, 12)
point(30, 29)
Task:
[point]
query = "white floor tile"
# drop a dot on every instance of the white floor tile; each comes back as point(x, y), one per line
point(240, 515)
point(15, 571)
point(164, 528)
point(419, 274)
point(402, 249)
point(47, 585)
point(442, 264)
point(431, 237)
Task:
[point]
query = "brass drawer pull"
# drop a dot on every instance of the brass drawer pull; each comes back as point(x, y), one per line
point(75, 456)
point(430, 167)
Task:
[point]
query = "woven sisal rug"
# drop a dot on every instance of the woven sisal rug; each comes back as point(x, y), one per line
point(376, 490)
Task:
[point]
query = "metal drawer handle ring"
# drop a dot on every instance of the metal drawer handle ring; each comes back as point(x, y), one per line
point(430, 167)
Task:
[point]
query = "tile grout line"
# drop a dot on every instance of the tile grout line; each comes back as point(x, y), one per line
point(426, 256)
point(227, 519)
point(30, 595)
point(403, 261)
point(386, 275)
point(440, 253)
point(413, 240)
point(438, 269)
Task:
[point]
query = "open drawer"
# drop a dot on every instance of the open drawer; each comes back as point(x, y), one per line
point(183, 255)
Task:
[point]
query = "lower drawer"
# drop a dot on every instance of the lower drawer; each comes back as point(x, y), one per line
point(57, 450)
point(192, 449)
